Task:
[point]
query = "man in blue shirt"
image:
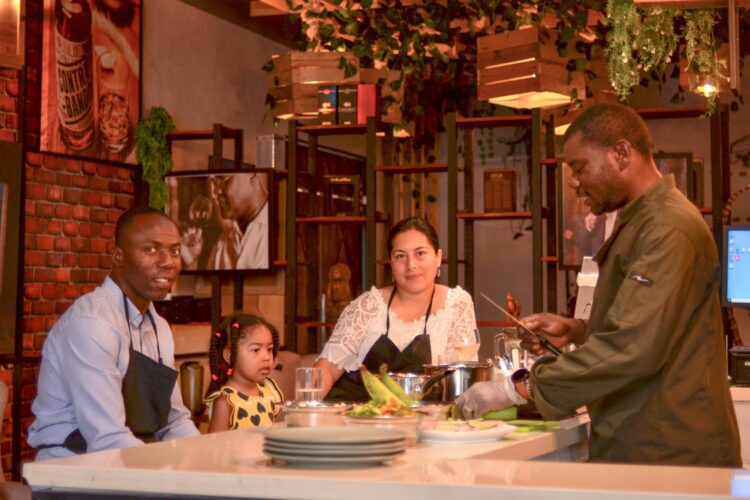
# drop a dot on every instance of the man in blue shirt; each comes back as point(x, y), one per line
point(107, 378)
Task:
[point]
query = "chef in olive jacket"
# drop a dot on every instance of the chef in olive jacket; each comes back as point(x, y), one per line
point(651, 366)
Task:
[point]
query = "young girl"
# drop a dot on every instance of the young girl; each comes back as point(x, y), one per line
point(241, 357)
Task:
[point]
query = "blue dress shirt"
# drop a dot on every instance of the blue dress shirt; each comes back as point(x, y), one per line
point(84, 360)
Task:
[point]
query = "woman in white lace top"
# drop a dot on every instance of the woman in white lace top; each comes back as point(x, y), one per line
point(403, 325)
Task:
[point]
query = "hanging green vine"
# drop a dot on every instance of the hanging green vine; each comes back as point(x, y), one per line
point(623, 18)
point(700, 51)
point(656, 40)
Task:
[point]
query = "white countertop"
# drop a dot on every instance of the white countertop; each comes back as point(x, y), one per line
point(232, 464)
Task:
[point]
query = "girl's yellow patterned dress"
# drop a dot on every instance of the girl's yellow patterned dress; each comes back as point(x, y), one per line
point(249, 412)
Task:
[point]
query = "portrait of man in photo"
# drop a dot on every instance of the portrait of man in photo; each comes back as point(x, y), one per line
point(223, 219)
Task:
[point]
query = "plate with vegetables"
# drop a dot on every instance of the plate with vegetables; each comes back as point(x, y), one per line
point(464, 431)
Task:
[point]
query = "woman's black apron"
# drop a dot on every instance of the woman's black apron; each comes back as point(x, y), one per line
point(146, 391)
point(349, 387)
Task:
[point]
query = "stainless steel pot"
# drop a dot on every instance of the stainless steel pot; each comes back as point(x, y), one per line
point(455, 379)
point(411, 383)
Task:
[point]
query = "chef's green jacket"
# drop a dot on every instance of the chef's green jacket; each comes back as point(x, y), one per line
point(652, 371)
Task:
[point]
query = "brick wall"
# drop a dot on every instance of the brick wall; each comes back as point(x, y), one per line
point(70, 209)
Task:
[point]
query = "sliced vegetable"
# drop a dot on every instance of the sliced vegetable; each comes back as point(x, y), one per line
point(393, 386)
point(379, 393)
point(509, 413)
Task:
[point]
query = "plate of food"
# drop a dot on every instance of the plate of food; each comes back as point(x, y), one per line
point(463, 431)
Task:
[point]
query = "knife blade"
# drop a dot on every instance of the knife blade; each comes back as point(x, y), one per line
point(545, 343)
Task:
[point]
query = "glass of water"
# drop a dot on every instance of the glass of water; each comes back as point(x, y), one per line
point(308, 384)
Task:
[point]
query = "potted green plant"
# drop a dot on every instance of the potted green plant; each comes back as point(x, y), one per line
point(152, 152)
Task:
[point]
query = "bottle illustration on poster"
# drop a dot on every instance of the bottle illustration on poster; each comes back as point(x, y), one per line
point(90, 78)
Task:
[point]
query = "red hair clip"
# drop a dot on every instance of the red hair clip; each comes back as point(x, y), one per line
point(214, 377)
point(218, 334)
point(229, 371)
point(235, 325)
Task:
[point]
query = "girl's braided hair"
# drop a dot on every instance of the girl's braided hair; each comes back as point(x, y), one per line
point(233, 329)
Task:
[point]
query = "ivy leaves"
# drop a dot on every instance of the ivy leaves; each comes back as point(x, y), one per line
point(152, 152)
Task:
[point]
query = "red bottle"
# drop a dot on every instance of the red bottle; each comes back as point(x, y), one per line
point(75, 86)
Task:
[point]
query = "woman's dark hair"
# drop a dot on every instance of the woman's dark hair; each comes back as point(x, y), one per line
point(414, 224)
point(604, 124)
point(233, 329)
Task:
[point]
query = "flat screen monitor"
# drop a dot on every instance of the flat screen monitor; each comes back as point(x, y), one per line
point(736, 266)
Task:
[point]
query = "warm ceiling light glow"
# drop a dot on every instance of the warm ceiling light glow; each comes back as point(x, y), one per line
point(530, 100)
point(707, 89)
point(561, 129)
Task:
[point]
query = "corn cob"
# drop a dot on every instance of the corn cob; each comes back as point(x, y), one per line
point(393, 386)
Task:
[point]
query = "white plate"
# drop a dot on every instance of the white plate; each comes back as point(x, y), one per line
point(304, 459)
point(344, 452)
point(466, 437)
point(311, 449)
point(334, 435)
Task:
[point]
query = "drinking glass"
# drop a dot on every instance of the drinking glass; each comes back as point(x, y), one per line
point(466, 344)
point(308, 384)
point(112, 78)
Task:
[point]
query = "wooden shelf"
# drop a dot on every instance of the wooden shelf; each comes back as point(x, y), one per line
point(501, 324)
point(494, 216)
point(706, 210)
point(671, 113)
point(494, 121)
point(336, 129)
point(550, 162)
point(342, 219)
point(413, 169)
point(191, 135)
point(550, 258)
point(279, 263)
point(339, 219)
point(313, 324)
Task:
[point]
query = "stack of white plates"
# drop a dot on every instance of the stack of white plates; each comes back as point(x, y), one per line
point(334, 445)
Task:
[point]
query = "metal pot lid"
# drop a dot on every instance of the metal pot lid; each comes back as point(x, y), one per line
point(470, 364)
point(409, 375)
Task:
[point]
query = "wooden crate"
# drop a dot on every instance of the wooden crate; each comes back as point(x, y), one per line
point(522, 69)
point(296, 76)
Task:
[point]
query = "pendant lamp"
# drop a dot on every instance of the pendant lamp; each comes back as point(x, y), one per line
point(522, 69)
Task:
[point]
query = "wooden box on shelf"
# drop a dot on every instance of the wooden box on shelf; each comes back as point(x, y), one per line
point(294, 80)
point(499, 190)
point(523, 69)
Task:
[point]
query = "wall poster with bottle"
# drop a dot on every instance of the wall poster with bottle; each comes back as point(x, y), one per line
point(90, 78)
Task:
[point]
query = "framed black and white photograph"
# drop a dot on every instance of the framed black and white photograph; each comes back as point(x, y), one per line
point(224, 218)
point(679, 165)
point(580, 232)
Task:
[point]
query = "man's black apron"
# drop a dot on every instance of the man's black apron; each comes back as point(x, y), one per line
point(349, 387)
point(146, 391)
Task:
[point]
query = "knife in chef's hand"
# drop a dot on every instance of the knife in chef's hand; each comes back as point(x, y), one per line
point(545, 343)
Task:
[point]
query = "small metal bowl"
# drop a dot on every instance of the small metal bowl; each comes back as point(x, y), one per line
point(314, 413)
